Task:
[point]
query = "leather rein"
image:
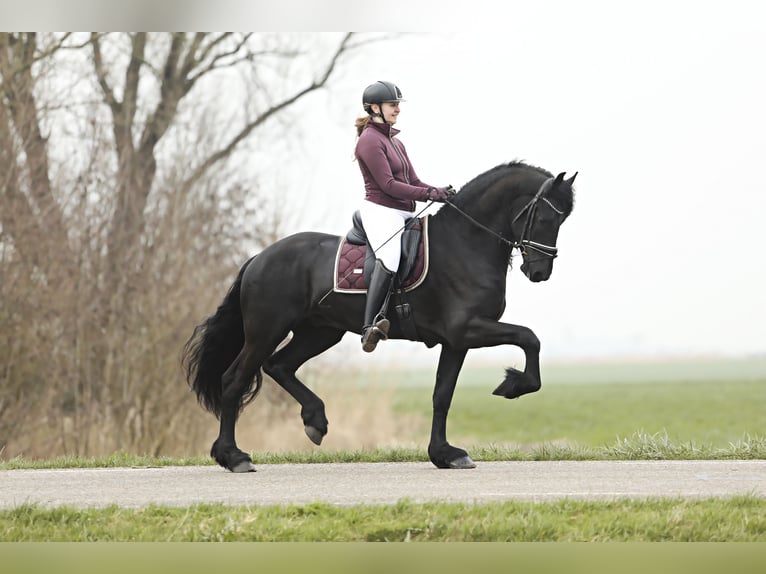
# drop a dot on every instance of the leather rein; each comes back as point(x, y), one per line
point(546, 251)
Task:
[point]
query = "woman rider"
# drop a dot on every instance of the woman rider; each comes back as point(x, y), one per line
point(391, 189)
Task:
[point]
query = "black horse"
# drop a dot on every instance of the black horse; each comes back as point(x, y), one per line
point(288, 288)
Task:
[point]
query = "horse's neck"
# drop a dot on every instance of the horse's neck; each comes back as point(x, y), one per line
point(491, 207)
point(479, 237)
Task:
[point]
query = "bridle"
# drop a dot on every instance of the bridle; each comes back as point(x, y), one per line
point(547, 251)
point(524, 243)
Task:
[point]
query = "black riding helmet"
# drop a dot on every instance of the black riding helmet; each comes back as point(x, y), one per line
point(378, 93)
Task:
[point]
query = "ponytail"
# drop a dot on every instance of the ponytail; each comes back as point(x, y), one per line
point(361, 124)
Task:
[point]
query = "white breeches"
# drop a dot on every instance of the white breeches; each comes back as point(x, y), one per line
point(384, 226)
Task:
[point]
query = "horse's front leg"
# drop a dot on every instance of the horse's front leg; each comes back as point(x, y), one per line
point(441, 453)
point(487, 333)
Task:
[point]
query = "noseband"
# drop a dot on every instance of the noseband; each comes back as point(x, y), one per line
point(523, 244)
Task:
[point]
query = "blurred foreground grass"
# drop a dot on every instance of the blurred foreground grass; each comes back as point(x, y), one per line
point(738, 519)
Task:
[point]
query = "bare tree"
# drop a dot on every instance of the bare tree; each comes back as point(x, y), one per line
point(120, 204)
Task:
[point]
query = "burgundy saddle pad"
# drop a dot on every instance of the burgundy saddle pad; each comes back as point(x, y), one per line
point(350, 260)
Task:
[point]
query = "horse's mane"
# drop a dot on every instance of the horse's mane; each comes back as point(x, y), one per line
point(482, 181)
point(489, 177)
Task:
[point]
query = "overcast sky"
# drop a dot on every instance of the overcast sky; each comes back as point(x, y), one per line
point(661, 107)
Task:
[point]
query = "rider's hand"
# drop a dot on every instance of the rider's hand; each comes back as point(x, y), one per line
point(441, 194)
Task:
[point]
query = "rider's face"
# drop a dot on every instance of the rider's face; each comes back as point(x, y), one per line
point(390, 111)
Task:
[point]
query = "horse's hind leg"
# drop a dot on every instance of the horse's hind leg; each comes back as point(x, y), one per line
point(237, 381)
point(308, 341)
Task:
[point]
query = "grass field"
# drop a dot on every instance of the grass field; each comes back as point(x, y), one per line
point(596, 414)
point(713, 403)
point(707, 403)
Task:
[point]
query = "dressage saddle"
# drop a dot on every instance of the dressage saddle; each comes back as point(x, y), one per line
point(411, 236)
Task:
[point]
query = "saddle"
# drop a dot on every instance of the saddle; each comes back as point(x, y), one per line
point(355, 259)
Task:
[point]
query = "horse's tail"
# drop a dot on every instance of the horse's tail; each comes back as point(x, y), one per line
point(212, 348)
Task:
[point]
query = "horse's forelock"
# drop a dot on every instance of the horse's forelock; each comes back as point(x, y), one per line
point(563, 195)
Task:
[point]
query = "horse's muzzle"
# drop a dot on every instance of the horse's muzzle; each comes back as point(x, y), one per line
point(536, 272)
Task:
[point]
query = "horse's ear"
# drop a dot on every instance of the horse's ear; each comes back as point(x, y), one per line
point(559, 179)
point(570, 181)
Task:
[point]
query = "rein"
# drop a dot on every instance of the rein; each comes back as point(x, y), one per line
point(547, 251)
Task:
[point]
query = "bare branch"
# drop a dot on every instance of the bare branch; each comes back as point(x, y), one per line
point(171, 91)
point(132, 77)
point(189, 60)
point(227, 150)
point(98, 64)
point(220, 57)
point(368, 40)
point(19, 89)
point(209, 48)
point(44, 53)
point(343, 47)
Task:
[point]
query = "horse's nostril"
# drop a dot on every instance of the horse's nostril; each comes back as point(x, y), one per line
point(538, 276)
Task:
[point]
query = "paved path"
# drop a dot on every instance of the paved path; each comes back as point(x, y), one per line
point(383, 483)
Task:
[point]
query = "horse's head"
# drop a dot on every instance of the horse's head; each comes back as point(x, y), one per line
point(536, 226)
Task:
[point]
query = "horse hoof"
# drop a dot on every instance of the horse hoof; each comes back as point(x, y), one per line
point(462, 462)
point(244, 466)
point(314, 434)
point(516, 384)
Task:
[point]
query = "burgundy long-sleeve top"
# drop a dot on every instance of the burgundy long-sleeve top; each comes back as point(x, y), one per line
point(389, 178)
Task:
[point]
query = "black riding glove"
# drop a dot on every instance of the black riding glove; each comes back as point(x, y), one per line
point(441, 194)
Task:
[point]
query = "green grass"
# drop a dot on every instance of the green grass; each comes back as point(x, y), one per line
point(639, 446)
point(712, 413)
point(140, 461)
point(115, 460)
point(737, 519)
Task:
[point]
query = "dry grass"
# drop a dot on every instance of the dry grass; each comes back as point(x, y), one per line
point(361, 418)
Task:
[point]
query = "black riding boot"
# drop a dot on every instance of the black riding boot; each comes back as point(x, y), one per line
point(375, 323)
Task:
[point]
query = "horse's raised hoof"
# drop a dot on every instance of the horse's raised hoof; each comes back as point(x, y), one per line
point(314, 434)
point(244, 466)
point(462, 462)
point(516, 383)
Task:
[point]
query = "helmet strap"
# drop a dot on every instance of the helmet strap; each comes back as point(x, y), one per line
point(379, 114)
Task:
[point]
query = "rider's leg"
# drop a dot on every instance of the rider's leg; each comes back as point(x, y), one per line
point(383, 227)
point(375, 323)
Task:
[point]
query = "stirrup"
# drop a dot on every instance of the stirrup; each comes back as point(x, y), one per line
point(375, 333)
